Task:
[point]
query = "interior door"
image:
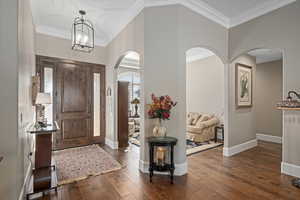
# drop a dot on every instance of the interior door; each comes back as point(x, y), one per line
point(123, 114)
point(78, 100)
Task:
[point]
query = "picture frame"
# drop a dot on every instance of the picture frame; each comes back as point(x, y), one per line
point(243, 85)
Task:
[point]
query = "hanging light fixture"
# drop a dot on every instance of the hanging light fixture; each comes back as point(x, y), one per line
point(82, 34)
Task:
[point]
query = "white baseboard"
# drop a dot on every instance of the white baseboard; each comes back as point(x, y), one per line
point(112, 144)
point(290, 169)
point(230, 151)
point(25, 183)
point(180, 169)
point(269, 138)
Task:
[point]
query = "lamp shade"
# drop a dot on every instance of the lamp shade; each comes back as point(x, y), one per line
point(43, 98)
point(135, 101)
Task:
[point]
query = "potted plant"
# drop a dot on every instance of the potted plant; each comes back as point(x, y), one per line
point(160, 109)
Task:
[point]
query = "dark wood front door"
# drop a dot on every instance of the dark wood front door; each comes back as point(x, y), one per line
point(76, 85)
point(73, 105)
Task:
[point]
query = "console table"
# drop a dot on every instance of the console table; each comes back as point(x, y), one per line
point(44, 173)
point(162, 142)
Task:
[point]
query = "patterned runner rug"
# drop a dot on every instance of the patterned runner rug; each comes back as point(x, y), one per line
point(79, 163)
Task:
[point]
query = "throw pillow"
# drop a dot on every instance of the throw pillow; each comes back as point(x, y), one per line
point(189, 121)
point(195, 119)
point(204, 118)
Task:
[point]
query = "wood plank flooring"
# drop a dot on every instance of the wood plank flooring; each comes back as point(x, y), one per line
point(254, 174)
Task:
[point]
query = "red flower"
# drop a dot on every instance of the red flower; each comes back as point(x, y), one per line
point(166, 115)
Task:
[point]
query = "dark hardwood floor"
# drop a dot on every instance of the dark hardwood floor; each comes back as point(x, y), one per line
point(254, 174)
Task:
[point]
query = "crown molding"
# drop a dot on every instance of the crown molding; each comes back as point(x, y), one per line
point(205, 10)
point(125, 20)
point(154, 3)
point(197, 6)
point(50, 31)
point(259, 11)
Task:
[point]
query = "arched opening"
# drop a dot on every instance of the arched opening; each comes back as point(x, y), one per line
point(258, 87)
point(128, 102)
point(205, 100)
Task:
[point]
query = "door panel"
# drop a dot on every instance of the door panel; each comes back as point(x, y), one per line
point(73, 101)
point(75, 88)
point(74, 128)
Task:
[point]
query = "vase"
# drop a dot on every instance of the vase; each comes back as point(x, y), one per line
point(159, 130)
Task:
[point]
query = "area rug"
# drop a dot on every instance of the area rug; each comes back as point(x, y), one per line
point(196, 147)
point(79, 163)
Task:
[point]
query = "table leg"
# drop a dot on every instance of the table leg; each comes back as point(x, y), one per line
point(223, 134)
point(216, 134)
point(151, 162)
point(172, 165)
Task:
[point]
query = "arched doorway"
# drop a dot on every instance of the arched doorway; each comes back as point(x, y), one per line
point(205, 100)
point(128, 101)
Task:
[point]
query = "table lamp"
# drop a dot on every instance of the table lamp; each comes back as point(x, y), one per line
point(42, 99)
point(136, 101)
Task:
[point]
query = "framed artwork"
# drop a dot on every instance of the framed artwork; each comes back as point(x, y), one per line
point(243, 90)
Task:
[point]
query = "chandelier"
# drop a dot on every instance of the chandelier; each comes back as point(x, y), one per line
point(82, 34)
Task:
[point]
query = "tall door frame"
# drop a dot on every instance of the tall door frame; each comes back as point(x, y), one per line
point(43, 62)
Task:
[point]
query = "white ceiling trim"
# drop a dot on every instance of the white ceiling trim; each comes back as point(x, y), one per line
point(125, 20)
point(46, 30)
point(204, 9)
point(198, 6)
point(259, 11)
point(153, 3)
point(207, 11)
point(134, 11)
point(52, 31)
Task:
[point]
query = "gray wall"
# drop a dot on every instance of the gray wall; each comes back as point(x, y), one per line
point(9, 97)
point(131, 38)
point(61, 48)
point(17, 62)
point(194, 30)
point(241, 120)
point(278, 30)
point(162, 35)
point(267, 93)
point(169, 32)
point(205, 86)
point(161, 75)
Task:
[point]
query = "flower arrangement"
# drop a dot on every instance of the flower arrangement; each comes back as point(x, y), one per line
point(160, 108)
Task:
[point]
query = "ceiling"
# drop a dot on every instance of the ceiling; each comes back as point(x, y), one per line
point(109, 17)
point(266, 55)
point(55, 17)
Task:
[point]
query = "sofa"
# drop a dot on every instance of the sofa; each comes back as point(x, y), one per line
point(201, 127)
